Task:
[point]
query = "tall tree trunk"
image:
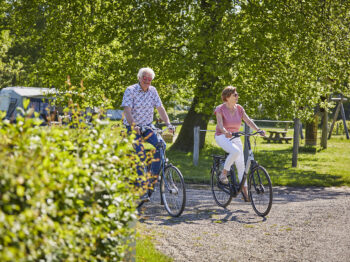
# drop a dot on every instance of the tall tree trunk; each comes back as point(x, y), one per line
point(199, 114)
point(311, 132)
point(324, 129)
point(296, 142)
point(205, 93)
point(184, 141)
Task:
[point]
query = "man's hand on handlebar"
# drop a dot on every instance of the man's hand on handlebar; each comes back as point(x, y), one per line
point(137, 129)
point(171, 128)
point(142, 129)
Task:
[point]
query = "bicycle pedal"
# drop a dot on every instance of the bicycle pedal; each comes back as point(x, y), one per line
point(174, 191)
point(223, 186)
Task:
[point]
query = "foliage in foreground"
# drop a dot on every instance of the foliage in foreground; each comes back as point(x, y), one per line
point(64, 193)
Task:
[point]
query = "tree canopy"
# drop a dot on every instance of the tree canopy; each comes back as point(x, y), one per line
point(283, 56)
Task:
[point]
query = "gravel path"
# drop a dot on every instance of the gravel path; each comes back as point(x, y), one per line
point(305, 224)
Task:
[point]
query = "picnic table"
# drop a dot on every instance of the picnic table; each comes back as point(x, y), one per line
point(278, 136)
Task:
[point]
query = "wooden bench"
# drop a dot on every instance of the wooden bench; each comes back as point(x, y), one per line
point(278, 136)
point(287, 139)
point(270, 139)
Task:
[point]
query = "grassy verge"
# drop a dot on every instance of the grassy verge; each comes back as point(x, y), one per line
point(316, 167)
point(145, 250)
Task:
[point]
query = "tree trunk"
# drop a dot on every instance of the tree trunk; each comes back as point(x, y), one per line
point(311, 132)
point(184, 141)
point(324, 129)
point(296, 142)
point(205, 93)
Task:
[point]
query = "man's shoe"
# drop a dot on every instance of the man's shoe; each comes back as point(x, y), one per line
point(145, 198)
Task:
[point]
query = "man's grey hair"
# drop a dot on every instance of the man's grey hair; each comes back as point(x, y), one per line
point(144, 70)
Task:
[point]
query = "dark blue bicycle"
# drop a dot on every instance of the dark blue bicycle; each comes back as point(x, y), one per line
point(169, 181)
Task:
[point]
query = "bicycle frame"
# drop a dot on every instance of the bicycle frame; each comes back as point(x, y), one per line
point(171, 182)
point(163, 159)
point(259, 182)
point(250, 165)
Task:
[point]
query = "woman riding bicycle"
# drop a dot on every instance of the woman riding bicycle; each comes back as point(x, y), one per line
point(229, 116)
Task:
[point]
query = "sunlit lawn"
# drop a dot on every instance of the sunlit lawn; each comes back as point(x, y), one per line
point(316, 167)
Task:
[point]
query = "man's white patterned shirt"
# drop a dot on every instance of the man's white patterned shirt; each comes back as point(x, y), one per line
point(142, 103)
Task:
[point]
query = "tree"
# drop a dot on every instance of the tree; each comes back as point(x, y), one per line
point(80, 39)
point(9, 67)
point(282, 49)
point(277, 53)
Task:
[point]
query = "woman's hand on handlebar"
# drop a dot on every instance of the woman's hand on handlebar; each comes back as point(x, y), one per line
point(262, 132)
point(227, 134)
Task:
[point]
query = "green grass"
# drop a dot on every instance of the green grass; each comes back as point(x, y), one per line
point(316, 166)
point(145, 250)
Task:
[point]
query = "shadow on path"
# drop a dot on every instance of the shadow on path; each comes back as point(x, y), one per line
point(200, 205)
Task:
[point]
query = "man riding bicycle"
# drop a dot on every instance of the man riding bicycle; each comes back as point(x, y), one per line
point(139, 101)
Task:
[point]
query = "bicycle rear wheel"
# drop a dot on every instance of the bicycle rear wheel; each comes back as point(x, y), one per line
point(221, 192)
point(260, 191)
point(173, 191)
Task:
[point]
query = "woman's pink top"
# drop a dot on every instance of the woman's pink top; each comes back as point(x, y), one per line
point(232, 122)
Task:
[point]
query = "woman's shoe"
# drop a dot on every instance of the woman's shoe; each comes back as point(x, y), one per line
point(223, 179)
point(246, 199)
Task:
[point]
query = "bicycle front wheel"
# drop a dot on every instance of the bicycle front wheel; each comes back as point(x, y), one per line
point(221, 192)
point(260, 191)
point(173, 191)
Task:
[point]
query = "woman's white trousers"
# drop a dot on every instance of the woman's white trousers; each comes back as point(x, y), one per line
point(235, 150)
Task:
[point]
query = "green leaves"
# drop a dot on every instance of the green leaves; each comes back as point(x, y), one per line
point(65, 194)
point(277, 53)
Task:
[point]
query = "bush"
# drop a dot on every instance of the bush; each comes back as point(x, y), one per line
point(65, 194)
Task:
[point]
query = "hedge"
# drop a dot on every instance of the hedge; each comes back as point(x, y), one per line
point(65, 194)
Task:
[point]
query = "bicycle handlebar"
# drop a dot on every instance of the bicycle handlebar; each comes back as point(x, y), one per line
point(155, 129)
point(240, 133)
